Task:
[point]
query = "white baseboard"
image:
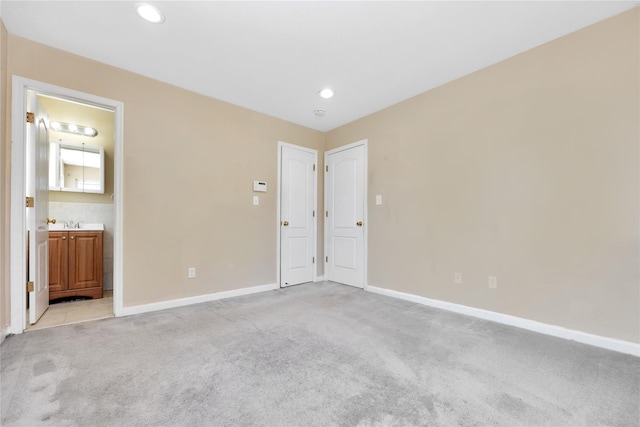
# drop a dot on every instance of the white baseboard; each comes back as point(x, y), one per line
point(319, 279)
point(4, 333)
point(531, 325)
point(163, 305)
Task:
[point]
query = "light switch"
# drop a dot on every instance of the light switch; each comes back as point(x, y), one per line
point(493, 282)
point(256, 200)
point(379, 199)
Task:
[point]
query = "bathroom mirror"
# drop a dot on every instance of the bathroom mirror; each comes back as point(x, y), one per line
point(76, 167)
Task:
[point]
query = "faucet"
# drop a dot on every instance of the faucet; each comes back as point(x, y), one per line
point(71, 224)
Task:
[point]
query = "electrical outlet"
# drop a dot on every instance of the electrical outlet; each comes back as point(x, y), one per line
point(379, 199)
point(493, 282)
point(457, 277)
point(191, 272)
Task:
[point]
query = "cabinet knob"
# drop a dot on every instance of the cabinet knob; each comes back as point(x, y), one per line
point(64, 237)
point(72, 237)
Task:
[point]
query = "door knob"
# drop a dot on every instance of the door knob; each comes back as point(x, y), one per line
point(359, 223)
point(286, 223)
point(51, 221)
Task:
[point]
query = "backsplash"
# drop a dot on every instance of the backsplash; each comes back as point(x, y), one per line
point(91, 213)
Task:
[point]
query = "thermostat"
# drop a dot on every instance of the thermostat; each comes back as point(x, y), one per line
point(260, 186)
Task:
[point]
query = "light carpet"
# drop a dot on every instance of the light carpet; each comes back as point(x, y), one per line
point(311, 355)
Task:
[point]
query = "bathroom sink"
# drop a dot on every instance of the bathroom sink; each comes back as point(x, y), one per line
point(83, 227)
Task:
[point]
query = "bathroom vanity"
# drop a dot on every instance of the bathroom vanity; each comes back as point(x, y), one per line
point(75, 263)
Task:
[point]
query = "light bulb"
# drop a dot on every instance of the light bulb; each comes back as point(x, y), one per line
point(326, 93)
point(149, 13)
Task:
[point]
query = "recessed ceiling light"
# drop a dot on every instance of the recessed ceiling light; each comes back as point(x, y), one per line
point(149, 13)
point(326, 93)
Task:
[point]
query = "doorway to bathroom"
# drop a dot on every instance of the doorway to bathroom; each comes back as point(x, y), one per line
point(81, 213)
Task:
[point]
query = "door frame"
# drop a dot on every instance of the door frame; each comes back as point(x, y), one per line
point(278, 213)
point(365, 143)
point(18, 278)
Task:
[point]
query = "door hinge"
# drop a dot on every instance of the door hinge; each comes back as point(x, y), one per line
point(30, 287)
point(326, 259)
point(313, 260)
point(31, 118)
point(314, 214)
point(326, 214)
point(314, 167)
point(327, 168)
point(30, 202)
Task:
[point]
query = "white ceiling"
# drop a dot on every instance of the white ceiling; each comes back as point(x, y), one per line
point(274, 57)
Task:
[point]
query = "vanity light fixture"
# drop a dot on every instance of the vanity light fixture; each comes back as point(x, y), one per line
point(326, 93)
point(72, 128)
point(149, 13)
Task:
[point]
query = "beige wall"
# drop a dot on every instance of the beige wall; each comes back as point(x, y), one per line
point(5, 303)
point(189, 164)
point(527, 170)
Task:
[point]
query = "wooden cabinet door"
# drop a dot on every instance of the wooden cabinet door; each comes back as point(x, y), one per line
point(85, 259)
point(58, 260)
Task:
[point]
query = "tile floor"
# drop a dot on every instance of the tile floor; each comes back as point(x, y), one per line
point(65, 313)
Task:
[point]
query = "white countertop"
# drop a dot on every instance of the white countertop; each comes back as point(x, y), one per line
point(83, 227)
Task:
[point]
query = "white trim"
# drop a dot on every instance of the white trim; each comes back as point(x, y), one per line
point(319, 278)
point(4, 334)
point(278, 234)
point(519, 322)
point(163, 305)
point(118, 201)
point(315, 207)
point(18, 274)
point(20, 86)
point(346, 147)
point(365, 212)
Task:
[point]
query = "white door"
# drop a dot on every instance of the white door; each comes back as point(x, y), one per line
point(345, 174)
point(37, 180)
point(297, 215)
